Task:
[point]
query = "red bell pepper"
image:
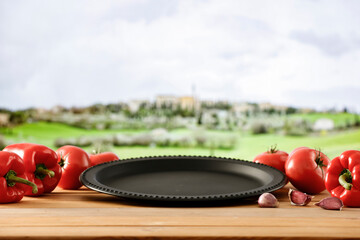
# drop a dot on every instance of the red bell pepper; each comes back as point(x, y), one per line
point(342, 178)
point(12, 171)
point(41, 166)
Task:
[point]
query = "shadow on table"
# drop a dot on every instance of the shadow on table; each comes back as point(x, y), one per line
point(250, 201)
point(179, 204)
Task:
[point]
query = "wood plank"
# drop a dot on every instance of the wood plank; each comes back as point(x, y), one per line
point(295, 222)
point(84, 213)
point(313, 212)
point(85, 198)
point(178, 232)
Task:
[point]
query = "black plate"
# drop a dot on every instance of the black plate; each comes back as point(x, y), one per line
point(183, 178)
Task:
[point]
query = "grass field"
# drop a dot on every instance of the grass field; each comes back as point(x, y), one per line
point(340, 119)
point(247, 147)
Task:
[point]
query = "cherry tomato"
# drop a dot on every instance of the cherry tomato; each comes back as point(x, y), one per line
point(96, 159)
point(73, 161)
point(273, 158)
point(306, 168)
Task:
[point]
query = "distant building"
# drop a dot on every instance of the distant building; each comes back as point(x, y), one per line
point(208, 103)
point(57, 109)
point(173, 102)
point(41, 111)
point(243, 107)
point(167, 101)
point(4, 119)
point(135, 105)
point(268, 106)
point(265, 106)
point(188, 103)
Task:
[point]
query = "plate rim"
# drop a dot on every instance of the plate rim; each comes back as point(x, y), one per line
point(99, 187)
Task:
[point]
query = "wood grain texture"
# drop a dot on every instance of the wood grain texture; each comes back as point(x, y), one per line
point(85, 214)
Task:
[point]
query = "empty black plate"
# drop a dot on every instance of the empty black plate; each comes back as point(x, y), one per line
point(183, 178)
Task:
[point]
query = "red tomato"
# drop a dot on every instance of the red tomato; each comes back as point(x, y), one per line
point(73, 161)
point(96, 159)
point(273, 158)
point(306, 168)
point(296, 150)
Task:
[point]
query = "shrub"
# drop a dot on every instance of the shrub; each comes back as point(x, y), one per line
point(223, 142)
point(84, 142)
point(2, 142)
point(142, 140)
point(59, 142)
point(297, 127)
point(258, 127)
point(182, 141)
point(158, 137)
point(200, 136)
point(122, 140)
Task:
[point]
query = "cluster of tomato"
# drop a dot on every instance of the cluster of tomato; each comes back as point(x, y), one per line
point(311, 171)
point(28, 169)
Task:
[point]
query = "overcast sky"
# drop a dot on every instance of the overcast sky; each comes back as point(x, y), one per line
point(300, 53)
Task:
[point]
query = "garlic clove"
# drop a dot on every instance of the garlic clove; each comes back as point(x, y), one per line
point(331, 203)
point(299, 198)
point(267, 200)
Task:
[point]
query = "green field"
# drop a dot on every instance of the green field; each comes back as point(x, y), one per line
point(247, 146)
point(340, 119)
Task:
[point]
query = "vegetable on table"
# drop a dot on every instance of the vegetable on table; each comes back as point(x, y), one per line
point(330, 203)
point(41, 166)
point(268, 200)
point(98, 158)
point(273, 157)
point(306, 168)
point(12, 179)
point(298, 198)
point(73, 161)
point(343, 178)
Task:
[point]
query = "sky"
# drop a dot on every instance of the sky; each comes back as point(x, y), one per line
point(302, 53)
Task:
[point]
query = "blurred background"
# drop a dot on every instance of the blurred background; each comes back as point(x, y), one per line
point(167, 77)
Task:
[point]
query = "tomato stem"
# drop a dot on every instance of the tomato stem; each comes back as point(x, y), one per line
point(273, 149)
point(62, 160)
point(345, 179)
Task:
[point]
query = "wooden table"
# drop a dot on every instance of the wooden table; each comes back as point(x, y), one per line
point(87, 214)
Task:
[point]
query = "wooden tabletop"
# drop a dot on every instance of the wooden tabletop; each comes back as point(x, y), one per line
point(84, 213)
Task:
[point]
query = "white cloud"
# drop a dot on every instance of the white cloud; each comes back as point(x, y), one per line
point(78, 53)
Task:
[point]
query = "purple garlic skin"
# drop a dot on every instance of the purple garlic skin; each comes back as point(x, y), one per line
point(331, 203)
point(267, 200)
point(299, 198)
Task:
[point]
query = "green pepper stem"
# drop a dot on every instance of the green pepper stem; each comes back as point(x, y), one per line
point(44, 171)
point(345, 180)
point(11, 178)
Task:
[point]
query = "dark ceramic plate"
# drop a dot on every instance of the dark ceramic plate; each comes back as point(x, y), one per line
point(183, 178)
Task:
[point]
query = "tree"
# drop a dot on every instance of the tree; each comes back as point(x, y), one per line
point(290, 110)
point(18, 117)
point(200, 119)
